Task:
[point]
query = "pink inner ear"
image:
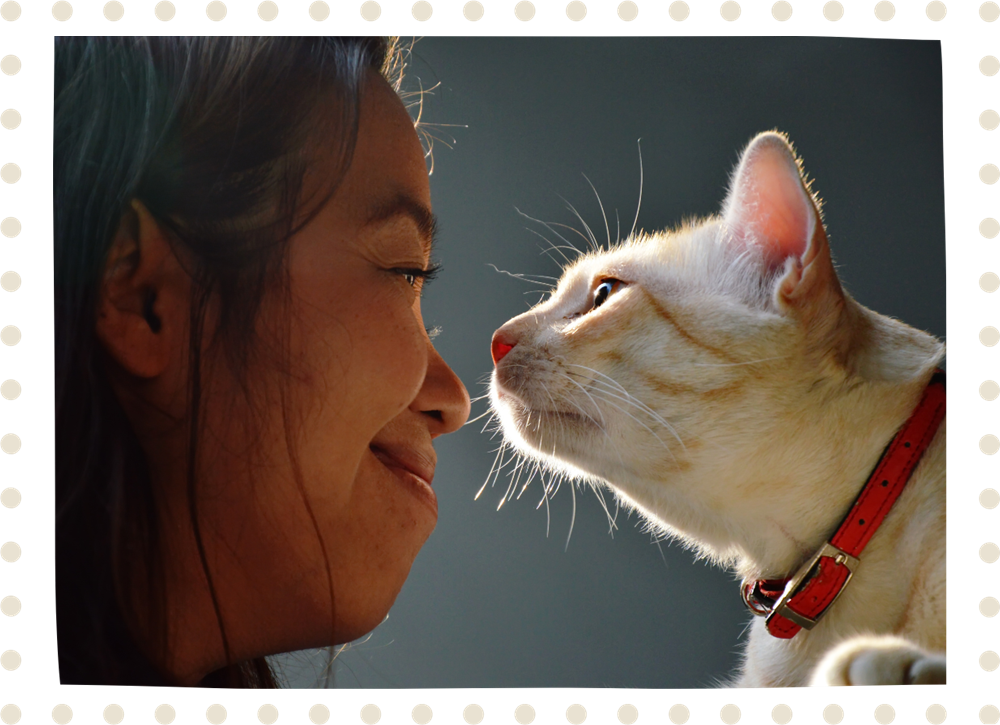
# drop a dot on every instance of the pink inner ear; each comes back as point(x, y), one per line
point(770, 201)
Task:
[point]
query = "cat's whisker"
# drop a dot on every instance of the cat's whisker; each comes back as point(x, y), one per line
point(548, 226)
point(572, 518)
point(490, 474)
point(639, 205)
point(632, 400)
point(479, 417)
point(600, 394)
point(731, 365)
point(522, 276)
point(601, 204)
point(545, 250)
point(592, 239)
point(575, 231)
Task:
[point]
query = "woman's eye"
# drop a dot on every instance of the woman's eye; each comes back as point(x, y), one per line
point(604, 290)
point(412, 276)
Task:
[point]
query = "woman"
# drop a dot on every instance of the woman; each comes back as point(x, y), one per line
point(246, 394)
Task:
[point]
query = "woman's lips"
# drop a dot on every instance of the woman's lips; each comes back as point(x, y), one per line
point(416, 462)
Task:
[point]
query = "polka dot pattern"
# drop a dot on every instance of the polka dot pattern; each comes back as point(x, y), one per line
point(989, 498)
point(989, 11)
point(989, 607)
point(989, 336)
point(10, 606)
point(989, 227)
point(443, 708)
point(10, 660)
point(10, 11)
point(989, 282)
point(989, 390)
point(989, 660)
point(10, 119)
point(10, 281)
point(989, 552)
point(10, 714)
point(989, 65)
point(989, 715)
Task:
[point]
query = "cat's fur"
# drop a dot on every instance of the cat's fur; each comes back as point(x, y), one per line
point(735, 395)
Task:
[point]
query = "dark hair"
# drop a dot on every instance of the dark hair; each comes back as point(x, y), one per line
point(211, 135)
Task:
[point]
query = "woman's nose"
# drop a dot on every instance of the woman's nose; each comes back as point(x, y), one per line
point(443, 396)
point(503, 343)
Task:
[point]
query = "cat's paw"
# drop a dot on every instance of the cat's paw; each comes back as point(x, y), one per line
point(879, 660)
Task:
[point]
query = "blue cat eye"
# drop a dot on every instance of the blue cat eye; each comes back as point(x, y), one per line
point(605, 290)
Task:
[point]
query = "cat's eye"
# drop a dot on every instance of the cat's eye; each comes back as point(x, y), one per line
point(604, 290)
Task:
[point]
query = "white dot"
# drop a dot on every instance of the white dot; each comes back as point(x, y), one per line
point(884, 11)
point(370, 714)
point(267, 11)
point(10, 659)
point(989, 660)
point(216, 11)
point(165, 11)
point(10, 389)
point(164, 713)
point(10, 226)
point(781, 714)
point(628, 11)
point(989, 444)
point(10, 281)
point(576, 11)
point(989, 607)
point(216, 714)
point(473, 714)
point(319, 11)
point(730, 714)
point(730, 11)
point(989, 390)
point(524, 714)
point(988, 552)
point(10, 335)
point(576, 714)
point(10, 11)
point(113, 11)
point(833, 11)
point(989, 282)
point(884, 714)
point(422, 10)
point(989, 11)
point(10, 173)
point(319, 714)
point(781, 11)
point(10, 498)
point(10, 443)
point(62, 11)
point(989, 336)
point(267, 714)
point(422, 714)
point(114, 714)
point(10, 714)
point(10, 606)
point(473, 11)
point(989, 65)
point(936, 713)
point(989, 228)
point(989, 498)
point(10, 552)
point(936, 10)
point(988, 119)
point(10, 65)
point(628, 714)
point(10, 119)
point(62, 714)
point(524, 11)
point(679, 714)
point(679, 11)
point(833, 714)
point(370, 10)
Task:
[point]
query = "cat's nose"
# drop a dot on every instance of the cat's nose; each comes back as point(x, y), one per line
point(502, 344)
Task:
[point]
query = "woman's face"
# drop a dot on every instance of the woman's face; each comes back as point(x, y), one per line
point(364, 397)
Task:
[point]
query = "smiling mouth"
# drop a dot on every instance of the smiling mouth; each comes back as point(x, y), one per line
point(415, 479)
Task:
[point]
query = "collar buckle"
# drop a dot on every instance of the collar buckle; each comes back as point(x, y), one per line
point(781, 608)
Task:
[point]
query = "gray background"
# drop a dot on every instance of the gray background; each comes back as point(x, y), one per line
point(492, 602)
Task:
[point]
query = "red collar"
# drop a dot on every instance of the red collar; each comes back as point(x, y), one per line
point(799, 602)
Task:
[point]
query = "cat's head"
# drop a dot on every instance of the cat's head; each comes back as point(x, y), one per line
point(696, 350)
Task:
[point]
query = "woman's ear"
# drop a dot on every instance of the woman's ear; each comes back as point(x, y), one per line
point(143, 299)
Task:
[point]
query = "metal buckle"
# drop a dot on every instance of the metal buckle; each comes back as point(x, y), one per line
point(841, 558)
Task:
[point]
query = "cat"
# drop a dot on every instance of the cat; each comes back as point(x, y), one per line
point(722, 383)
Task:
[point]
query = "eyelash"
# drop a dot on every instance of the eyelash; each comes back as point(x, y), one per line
point(425, 275)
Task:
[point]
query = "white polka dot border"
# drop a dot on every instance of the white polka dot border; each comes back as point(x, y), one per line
point(66, 14)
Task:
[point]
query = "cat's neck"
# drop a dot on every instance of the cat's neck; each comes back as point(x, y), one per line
point(764, 505)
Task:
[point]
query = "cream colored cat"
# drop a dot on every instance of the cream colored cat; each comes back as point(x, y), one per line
point(721, 382)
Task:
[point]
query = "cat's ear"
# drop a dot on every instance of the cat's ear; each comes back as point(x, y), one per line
point(770, 207)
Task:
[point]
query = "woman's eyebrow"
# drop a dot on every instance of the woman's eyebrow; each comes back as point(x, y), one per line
point(404, 205)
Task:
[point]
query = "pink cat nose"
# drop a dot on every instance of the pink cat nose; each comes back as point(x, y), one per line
point(502, 344)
